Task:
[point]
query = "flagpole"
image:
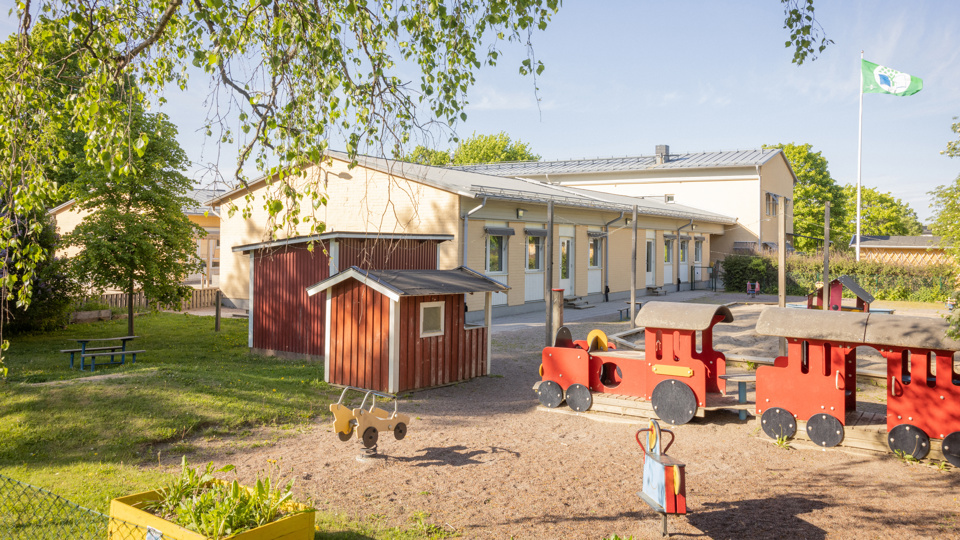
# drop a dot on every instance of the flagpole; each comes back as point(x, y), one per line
point(859, 154)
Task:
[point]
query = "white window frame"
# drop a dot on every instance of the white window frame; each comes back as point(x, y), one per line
point(698, 251)
point(668, 252)
point(503, 254)
point(684, 248)
point(423, 307)
point(540, 244)
point(597, 245)
point(651, 255)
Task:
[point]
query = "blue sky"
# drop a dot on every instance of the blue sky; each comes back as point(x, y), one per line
point(622, 77)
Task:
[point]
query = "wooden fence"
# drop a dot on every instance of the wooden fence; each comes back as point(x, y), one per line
point(200, 298)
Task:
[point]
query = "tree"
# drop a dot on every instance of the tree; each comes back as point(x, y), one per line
point(492, 149)
point(475, 149)
point(814, 188)
point(136, 235)
point(880, 214)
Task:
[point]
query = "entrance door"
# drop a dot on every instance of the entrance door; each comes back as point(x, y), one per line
point(668, 262)
point(566, 266)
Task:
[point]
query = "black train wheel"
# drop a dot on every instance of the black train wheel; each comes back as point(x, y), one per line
point(674, 402)
point(951, 448)
point(777, 422)
point(825, 430)
point(550, 394)
point(370, 437)
point(910, 440)
point(579, 397)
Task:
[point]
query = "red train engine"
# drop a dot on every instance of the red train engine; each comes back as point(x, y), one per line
point(672, 373)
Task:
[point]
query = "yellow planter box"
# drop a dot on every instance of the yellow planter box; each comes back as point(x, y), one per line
point(128, 522)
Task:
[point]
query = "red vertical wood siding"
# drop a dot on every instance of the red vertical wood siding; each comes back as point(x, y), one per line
point(373, 254)
point(284, 317)
point(459, 354)
point(359, 336)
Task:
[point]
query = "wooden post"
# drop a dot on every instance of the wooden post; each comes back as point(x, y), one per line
point(488, 320)
point(548, 276)
point(556, 307)
point(216, 326)
point(826, 256)
point(633, 274)
point(782, 263)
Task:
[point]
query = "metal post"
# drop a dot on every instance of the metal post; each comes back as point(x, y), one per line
point(826, 256)
point(548, 277)
point(216, 325)
point(782, 263)
point(633, 274)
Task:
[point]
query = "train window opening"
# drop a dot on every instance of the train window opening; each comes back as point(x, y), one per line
point(827, 351)
point(610, 375)
point(805, 357)
point(698, 341)
point(905, 367)
point(931, 361)
point(659, 341)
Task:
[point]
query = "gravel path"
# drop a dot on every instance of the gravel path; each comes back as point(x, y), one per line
point(482, 459)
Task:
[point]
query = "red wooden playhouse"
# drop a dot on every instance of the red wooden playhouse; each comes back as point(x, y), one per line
point(284, 320)
point(397, 330)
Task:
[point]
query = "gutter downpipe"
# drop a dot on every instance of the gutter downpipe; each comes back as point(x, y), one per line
point(606, 257)
point(466, 221)
point(677, 258)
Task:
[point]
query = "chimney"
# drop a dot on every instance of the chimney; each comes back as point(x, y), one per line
point(663, 154)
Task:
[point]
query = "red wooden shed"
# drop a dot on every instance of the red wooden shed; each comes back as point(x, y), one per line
point(396, 330)
point(283, 318)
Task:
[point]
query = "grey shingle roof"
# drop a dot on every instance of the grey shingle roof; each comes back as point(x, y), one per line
point(418, 282)
point(897, 242)
point(712, 160)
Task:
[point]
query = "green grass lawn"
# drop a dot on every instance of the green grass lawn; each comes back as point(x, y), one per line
point(91, 441)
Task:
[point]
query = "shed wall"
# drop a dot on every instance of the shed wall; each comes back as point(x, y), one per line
point(459, 354)
point(285, 318)
point(374, 254)
point(359, 337)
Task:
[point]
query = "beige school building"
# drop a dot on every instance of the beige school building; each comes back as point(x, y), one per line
point(498, 227)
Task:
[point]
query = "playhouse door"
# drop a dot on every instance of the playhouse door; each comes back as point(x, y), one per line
point(566, 266)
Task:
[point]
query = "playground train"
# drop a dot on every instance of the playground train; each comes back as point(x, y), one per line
point(815, 382)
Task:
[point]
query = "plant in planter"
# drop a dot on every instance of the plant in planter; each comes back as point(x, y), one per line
point(196, 505)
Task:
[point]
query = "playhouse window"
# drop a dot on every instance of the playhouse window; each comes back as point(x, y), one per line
point(431, 319)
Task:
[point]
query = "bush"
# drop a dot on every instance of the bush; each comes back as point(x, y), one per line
point(54, 291)
point(931, 283)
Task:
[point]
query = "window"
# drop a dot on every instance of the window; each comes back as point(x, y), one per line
point(649, 256)
point(668, 251)
point(698, 251)
point(669, 198)
point(596, 252)
point(496, 254)
point(534, 253)
point(431, 319)
point(683, 250)
point(771, 204)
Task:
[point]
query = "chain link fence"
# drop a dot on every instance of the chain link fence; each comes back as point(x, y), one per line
point(32, 513)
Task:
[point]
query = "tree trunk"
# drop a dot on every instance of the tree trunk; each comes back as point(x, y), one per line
point(130, 308)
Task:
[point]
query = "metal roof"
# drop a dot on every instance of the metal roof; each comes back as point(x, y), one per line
point(897, 242)
point(342, 236)
point(479, 186)
point(699, 160)
point(475, 185)
point(397, 283)
point(201, 196)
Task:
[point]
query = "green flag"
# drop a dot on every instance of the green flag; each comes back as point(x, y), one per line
point(883, 80)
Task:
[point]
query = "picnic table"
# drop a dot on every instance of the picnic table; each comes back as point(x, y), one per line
point(741, 379)
point(111, 350)
point(626, 311)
